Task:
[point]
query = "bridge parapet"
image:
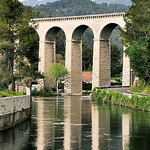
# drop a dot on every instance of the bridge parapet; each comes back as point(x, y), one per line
point(84, 17)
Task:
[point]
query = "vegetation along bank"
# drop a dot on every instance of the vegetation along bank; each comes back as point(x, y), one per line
point(118, 98)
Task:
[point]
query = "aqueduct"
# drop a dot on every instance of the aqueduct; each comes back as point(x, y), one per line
point(101, 25)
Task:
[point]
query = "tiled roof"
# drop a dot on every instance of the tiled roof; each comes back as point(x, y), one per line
point(87, 76)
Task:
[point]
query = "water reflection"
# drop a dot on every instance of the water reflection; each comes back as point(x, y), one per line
point(95, 127)
point(76, 123)
point(72, 122)
point(126, 120)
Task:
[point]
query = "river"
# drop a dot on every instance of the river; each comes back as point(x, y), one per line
point(77, 123)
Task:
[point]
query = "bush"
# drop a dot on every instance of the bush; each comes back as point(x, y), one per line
point(142, 87)
point(118, 98)
point(7, 93)
point(44, 92)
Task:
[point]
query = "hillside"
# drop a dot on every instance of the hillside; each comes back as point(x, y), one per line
point(79, 7)
point(39, 2)
point(124, 2)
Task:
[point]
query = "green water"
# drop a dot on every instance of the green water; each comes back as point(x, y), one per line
point(76, 123)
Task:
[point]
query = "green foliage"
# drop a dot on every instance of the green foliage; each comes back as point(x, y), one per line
point(45, 92)
point(141, 87)
point(57, 71)
point(78, 7)
point(139, 54)
point(116, 60)
point(87, 58)
point(136, 35)
point(137, 22)
point(6, 93)
point(18, 41)
point(118, 98)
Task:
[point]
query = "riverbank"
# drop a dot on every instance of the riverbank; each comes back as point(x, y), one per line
point(122, 99)
point(13, 110)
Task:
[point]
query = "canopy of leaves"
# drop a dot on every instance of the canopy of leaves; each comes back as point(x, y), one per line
point(137, 20)
point(57, 71)
point(78, 7)
point(136, 35)
point(139, 54)
point(18, 40)
point(116, 61)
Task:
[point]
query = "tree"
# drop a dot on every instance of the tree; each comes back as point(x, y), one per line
point(18, 40)
point(87, 55)
point(136, 36)
point(139, 54)
point(116, 61)
point(56, 72)
point(10, 16)
point(137, 22)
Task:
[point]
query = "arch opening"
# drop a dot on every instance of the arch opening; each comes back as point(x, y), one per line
point(54, 49)
point(111, 55)
point(82, 44)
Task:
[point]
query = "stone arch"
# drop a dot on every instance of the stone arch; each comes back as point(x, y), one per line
point(78, 32)
point(50, 46)
point(107, 30)
point(105, 54)
point(76, 59)
point(52, 32)
point(48, 51)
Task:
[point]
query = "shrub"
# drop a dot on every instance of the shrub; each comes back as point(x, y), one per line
point(118, 98)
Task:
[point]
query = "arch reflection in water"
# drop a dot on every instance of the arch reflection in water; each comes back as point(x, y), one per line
point(126, 123)
point(49, 123)
point(72, 120)
point(100, 127)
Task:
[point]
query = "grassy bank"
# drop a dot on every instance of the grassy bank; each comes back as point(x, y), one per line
point(6, 93)
point(141, 87)
point(118, 98)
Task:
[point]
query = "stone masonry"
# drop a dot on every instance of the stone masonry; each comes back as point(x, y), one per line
point(102, 25)
point(13, 110)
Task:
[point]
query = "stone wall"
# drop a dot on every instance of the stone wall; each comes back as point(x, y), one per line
point(13, 110)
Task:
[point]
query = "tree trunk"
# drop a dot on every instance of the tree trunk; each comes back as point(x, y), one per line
point(12, 72)
point(57, 88)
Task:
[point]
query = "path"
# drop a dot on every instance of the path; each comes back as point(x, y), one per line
point(124, 90)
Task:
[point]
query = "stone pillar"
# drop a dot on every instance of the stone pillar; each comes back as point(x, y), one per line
point(96, 57)
point(105, 62)
point(126, 70)
point(101, 63)
point(47, 55)
point(73, 83)
point(67, 86)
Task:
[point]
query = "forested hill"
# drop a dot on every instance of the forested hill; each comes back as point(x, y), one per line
point(124, 2)
point(79, 7)
point(38, 2)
